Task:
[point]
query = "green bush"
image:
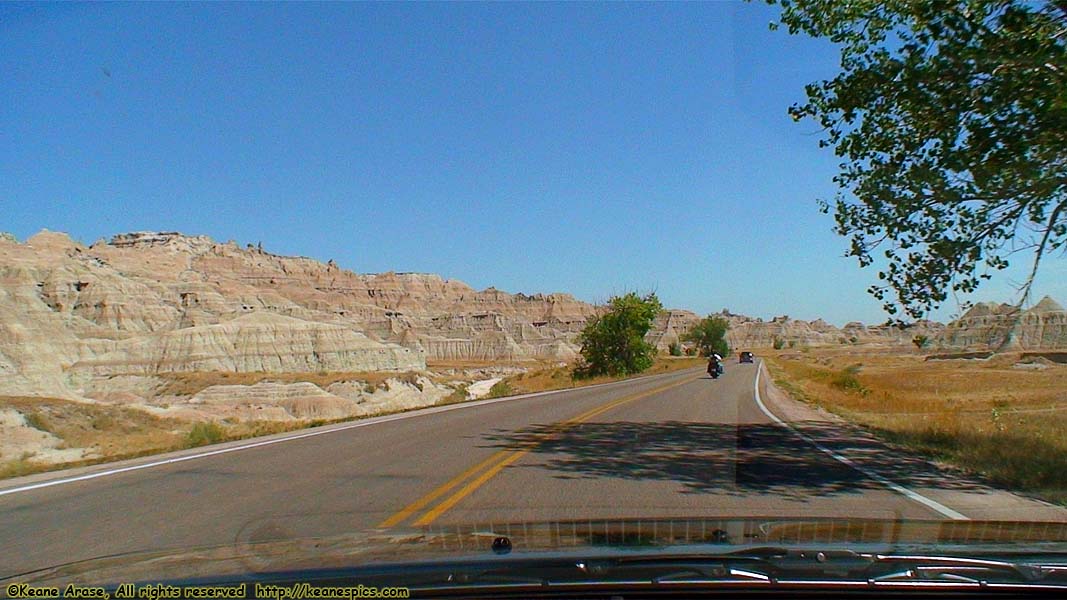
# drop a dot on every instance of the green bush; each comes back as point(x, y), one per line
point(203, 434)
point(613, 343)
point(710, 336)
point(675, 349)
point(500, 389)
point(779, 343)
point(847, 381)
point(459, 394)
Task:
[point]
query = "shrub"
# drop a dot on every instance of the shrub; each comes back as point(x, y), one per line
point(500, 389)
point(847, 381)
point(103, 422)
point(203, 434)
point(710, 336)
point(19, 466)
point(614, 343)
point(779, 343)
point(458, 395)
point(38, 421)
point(675, 349)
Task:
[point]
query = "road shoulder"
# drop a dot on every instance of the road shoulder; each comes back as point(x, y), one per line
point(939, 483)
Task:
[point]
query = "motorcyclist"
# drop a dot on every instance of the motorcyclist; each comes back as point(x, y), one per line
point(714, 364)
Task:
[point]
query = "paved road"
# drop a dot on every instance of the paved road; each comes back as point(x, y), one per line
point(678, 444)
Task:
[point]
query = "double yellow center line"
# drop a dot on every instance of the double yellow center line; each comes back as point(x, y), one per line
point(488, 468)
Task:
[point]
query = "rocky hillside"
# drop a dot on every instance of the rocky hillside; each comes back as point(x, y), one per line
point(986, 326)
point(152, 332)
point(148, 303)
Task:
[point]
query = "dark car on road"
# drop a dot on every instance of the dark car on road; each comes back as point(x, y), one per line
point(746, 357)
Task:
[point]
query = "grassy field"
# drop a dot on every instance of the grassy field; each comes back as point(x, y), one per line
point(1006, 424)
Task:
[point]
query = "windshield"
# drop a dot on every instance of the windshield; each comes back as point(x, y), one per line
point(289, 286)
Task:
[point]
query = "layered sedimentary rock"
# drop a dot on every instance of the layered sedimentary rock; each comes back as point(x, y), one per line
point(753, 332)
point(148, 303)
point(992, 326)
point(163, 303)
point(445, 319)
point(248, 343)
point(670, 327)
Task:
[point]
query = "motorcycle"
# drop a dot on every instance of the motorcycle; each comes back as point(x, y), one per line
point(715, 369)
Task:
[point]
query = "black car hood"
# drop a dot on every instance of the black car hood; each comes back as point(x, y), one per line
point(578, 538)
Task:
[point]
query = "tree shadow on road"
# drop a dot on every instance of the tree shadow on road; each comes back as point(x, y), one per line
point(723, 459)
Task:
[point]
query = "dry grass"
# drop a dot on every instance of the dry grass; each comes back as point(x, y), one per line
point(557, 377)
point(18, 467)
point(107, 428)
point(1005, 424)
point(440, 365)
point(188, 384)
point(118, 433)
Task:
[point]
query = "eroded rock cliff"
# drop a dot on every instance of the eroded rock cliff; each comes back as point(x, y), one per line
point(992, 326)
point(148, 303)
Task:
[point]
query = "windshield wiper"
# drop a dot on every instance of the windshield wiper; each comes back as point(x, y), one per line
point(765, 567)
point(969, 570)
point(781, 565)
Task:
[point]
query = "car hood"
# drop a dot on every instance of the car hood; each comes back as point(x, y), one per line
point(576, 538)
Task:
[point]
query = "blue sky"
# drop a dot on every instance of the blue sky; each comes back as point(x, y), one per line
point(585, 148)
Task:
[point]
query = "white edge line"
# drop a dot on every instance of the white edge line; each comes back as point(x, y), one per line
point(896, 487)
point(361, 423)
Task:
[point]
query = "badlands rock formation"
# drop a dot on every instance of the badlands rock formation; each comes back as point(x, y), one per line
point(92, 322)
point(120, 321)
point(992, 326)
point(751, 332)
point(70, 314)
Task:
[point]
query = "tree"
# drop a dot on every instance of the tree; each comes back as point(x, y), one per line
point(674, 349)
point(951, 122)
point(710, 336)
point(614, 343)
point(920, 341)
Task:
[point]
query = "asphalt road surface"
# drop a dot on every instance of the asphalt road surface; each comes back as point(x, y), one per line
point(672, 445)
